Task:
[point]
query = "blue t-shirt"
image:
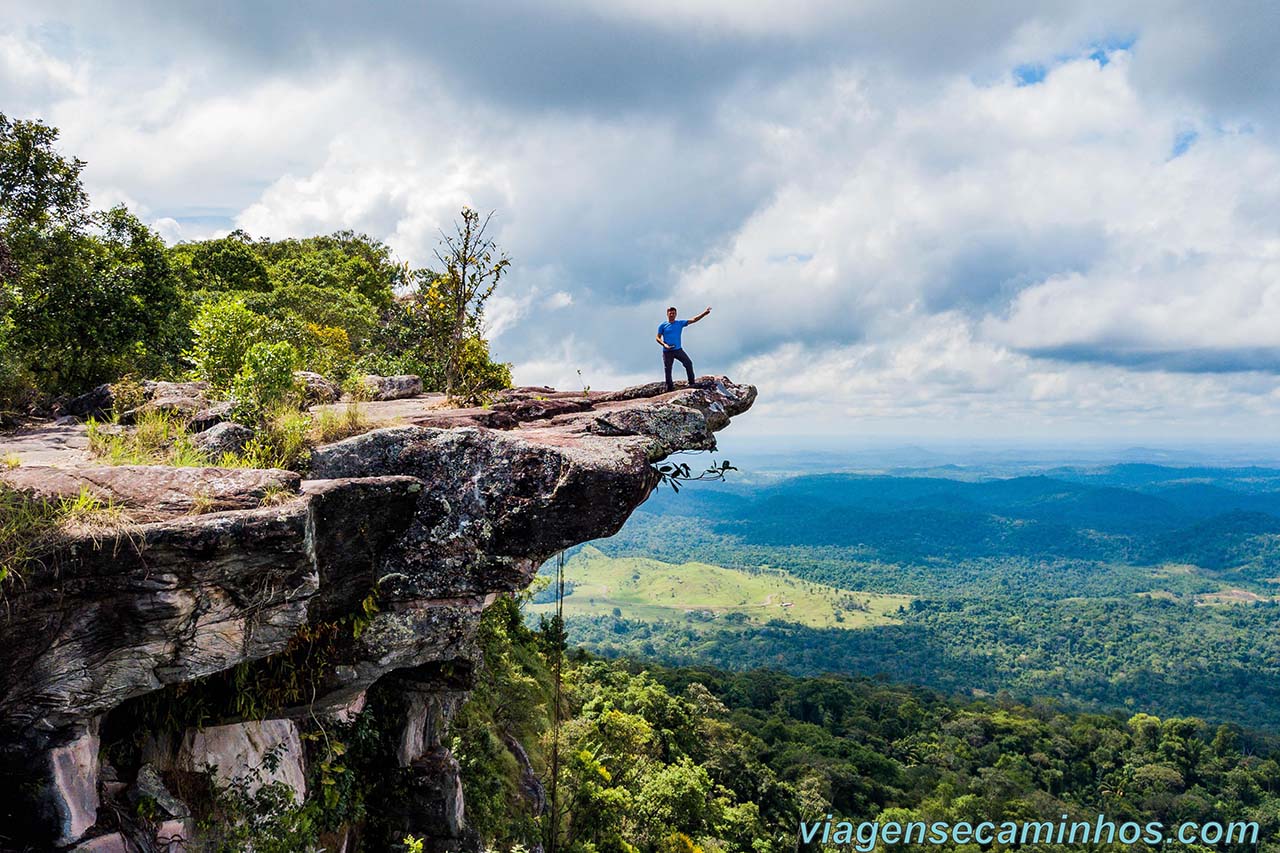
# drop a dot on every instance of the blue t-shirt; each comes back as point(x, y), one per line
point(671, 332)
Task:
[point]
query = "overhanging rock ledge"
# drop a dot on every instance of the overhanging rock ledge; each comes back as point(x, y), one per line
point(430, 518)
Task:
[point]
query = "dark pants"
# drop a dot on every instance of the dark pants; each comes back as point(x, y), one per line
point(670, 355)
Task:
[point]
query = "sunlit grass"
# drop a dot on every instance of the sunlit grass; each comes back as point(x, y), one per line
point(283, 440)
point(158, 438)
point(30, 527)
point(331, 425)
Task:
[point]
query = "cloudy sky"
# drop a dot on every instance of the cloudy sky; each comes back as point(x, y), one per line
point(1052, 220)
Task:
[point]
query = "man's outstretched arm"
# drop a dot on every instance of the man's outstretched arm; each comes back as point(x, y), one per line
point(700, 316)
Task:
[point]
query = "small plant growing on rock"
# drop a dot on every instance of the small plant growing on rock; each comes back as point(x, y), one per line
point(158, 438)
point(282, 440)
point(31, 526)
point(201, 503)
point(274, 495)
point(674, 473)
point(127, 393)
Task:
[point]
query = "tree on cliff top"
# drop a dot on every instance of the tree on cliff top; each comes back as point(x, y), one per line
point(473, 266)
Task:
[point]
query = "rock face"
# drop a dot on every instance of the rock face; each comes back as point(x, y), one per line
point(153, 492)
point(239, 752)
point(430, 520)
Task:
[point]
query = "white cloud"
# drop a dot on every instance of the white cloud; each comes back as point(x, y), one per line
point(890, 230)
point(169, 229)
point(32, 76)
point(953, 236)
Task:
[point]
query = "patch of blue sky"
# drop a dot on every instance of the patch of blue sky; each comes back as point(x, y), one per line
point(791, 258)
point(1182, 142)
point(1102, 50)
point(1031, 73)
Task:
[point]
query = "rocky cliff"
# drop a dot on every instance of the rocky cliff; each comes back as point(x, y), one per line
point(239, 608)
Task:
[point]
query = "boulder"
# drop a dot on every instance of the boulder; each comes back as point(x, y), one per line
point(225, 437)
point(239, 754)
point(392, 387)
point(150, 787)
point(182, 399)
point(159, 390)
point(112, 842)
point(92, 404)
point(316, 390)
point(213, 415)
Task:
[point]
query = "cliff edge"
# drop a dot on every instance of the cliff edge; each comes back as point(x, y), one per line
point(269, 599)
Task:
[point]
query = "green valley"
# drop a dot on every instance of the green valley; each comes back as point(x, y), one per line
point(1129, 587)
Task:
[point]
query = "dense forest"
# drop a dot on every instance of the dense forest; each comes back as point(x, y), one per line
point(659, 758)
point(1128, 587)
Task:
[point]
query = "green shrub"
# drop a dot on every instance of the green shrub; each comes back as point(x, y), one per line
point(222, 333)
point(264, 381)
point(478, 375)
point(355, 389)
point(327, 351)
point(15, 380)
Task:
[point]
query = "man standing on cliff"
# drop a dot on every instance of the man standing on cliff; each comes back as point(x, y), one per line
point(669, 337)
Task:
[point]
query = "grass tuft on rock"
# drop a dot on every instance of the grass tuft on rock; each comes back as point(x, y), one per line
point(282, 439)
point(158, 438)
point(332, 425)
point(31, 526)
